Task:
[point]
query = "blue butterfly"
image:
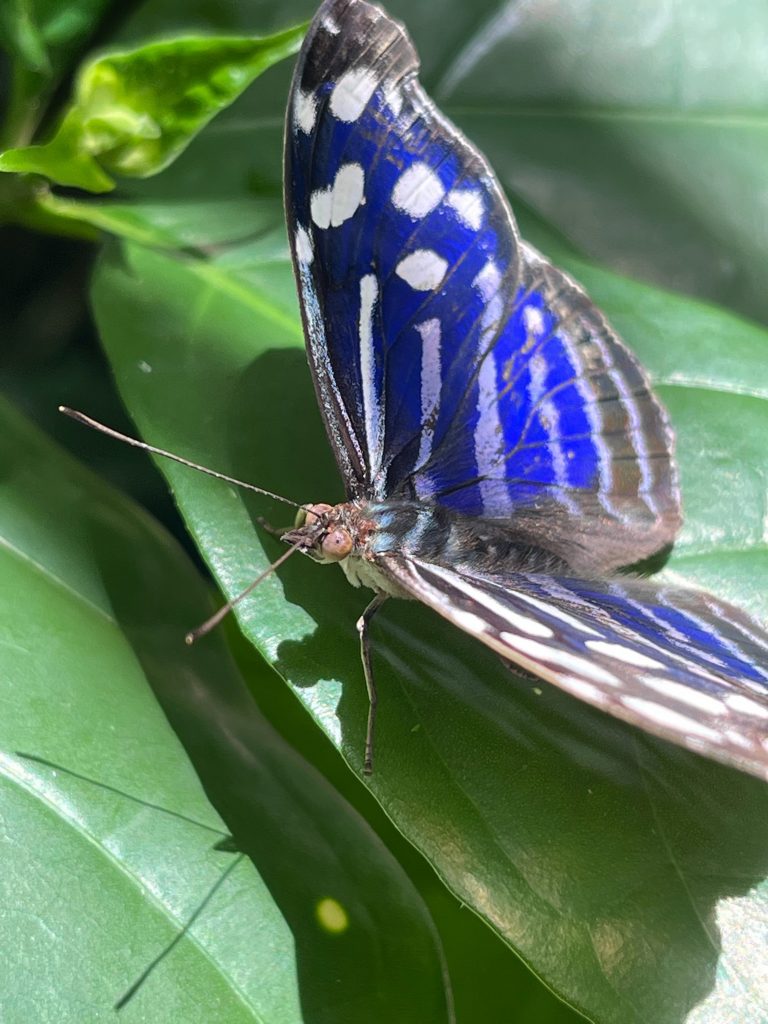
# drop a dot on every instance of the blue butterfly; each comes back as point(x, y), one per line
point(503, 453)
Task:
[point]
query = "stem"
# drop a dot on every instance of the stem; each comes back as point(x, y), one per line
point(23, 111)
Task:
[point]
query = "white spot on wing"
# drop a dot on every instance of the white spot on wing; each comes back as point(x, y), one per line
point(347, 193)
point(620, 653)
point(351, 94)
point(423, 270)
point(431, 382)
point(525, 625)
point(469, 206)
point(320, 207)
point(418, 191)
point(393, 97)
point(686, 695)
point(502, 611)
point(330, 207)
point(466, 620)
point(551, 655)
point(585, 691)
point(330, 25)
point(533, 321)
point(304, 252)
point(557, 612)
point(672, 720)
point(488, 282)
point(737, 740)
point(489, 436)
point(374, 420)
point(304, 110)
point(538, 368)
point(746, 706)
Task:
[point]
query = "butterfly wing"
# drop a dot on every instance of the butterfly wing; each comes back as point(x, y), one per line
point(678, 663)
point(452, 362)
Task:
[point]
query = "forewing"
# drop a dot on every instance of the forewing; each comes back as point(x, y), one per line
point(678, 663)
point(452, 362)
point(344, 96)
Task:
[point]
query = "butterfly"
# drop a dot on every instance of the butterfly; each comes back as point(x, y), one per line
point(502, 451)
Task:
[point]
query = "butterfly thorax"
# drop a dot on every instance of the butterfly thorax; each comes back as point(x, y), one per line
point(359, 534)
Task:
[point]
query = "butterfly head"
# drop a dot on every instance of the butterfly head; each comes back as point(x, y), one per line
point(327, 533)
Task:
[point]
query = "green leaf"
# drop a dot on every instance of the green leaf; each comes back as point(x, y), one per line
point(629, 874)
point(317, 922)
point(134, 112)
point(64, 160)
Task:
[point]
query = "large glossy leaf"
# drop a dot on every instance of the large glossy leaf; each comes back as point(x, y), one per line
point(134, 112)
point(626, 872)
point(108, 849)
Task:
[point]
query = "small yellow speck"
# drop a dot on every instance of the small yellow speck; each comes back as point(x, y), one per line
point(537, 690)
point(331, 916)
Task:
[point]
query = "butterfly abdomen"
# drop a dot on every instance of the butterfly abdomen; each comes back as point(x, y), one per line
point(439, 535)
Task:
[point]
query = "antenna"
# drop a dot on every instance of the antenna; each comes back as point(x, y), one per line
point(87, 421)
point(225, 609)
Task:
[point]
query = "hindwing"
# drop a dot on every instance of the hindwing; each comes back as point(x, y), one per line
point(678, 663)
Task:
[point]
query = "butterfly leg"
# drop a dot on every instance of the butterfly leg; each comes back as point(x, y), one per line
point(276, 531)
point(365, 654)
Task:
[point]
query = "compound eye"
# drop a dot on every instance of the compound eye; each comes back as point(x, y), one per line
point(336, 545)
point(312, 513)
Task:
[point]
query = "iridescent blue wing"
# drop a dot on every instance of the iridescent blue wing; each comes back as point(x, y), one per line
point(678, 663)
point(452, 362)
